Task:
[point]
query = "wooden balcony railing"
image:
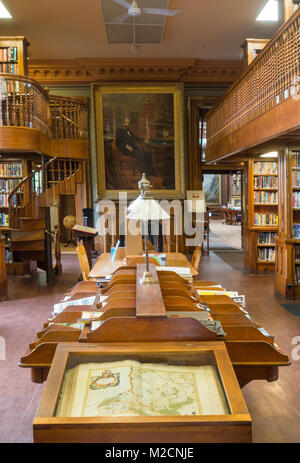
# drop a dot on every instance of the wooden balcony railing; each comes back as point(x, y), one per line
point(69, 118)
point(272, 78)
point(23, 103)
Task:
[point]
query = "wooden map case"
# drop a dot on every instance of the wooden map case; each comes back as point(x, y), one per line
point(233, 427)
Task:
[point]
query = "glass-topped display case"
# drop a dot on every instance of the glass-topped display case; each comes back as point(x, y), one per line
point(142, 392)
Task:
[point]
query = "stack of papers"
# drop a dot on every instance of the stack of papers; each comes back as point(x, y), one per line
point(58, 308)
point(218, 291)
point(184, 272)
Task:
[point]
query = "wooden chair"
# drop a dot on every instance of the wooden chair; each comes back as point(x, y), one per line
point(197, 257)
point(83, 262)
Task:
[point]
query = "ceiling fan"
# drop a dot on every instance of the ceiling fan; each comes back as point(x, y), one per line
point(133, 10)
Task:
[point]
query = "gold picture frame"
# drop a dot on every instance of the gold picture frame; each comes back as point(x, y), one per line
point(106, 97)
point(212, 186)
point(236, 201)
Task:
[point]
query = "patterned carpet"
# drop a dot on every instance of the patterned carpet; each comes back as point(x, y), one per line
point(293, 308)
point(232, 257)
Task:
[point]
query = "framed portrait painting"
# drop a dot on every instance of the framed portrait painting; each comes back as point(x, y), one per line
point(139, 129)
point(212, 189)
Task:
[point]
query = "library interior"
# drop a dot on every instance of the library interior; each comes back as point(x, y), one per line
point(150, 221)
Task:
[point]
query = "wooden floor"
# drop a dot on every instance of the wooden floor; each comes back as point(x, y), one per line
point(274, 407)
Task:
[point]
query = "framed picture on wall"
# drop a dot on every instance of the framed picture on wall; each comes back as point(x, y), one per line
point(212, 189)
point(139, 128)
point(236, 201)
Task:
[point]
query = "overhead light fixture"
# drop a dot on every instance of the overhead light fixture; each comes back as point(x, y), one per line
point(272, 154)
point(4, 13)
point(270, 11)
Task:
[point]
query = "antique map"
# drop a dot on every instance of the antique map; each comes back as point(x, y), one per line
point(129, 388)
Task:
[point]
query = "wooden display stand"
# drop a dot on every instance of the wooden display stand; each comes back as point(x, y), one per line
point(232, 427)
point(287, 278)
point(254, 354)
point(262, 188)
point(3, 276)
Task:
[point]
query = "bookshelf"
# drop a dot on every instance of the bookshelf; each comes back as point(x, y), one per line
point(287, 279)
point(295, 193)
point(12, 170)
point(3, 276)
point(261, 226)
point(13, 55)
point(251, 49)
point(294, 229)
point(11, 173)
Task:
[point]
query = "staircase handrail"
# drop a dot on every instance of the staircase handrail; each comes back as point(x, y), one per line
point(25, 179)
point(14, 208)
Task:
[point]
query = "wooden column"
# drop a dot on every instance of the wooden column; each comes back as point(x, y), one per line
point(3, 276)
point(194, 155)
point(289, 9)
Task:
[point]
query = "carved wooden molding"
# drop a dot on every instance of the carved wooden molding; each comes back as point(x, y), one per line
point(86, 70)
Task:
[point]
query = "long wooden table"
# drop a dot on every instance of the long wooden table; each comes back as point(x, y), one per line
point(104, 266)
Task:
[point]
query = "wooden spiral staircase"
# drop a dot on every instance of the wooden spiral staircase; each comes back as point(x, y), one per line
point(29, 204)
point(36, 123)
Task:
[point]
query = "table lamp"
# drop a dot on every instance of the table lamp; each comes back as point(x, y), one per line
point(145, 208)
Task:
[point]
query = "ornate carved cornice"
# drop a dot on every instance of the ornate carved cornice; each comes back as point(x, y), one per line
point(87, 70)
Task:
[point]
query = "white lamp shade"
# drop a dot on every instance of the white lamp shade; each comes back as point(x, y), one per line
point(146, 209)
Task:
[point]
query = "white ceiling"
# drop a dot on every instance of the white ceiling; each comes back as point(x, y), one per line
point(141, 29)
point(66, 29)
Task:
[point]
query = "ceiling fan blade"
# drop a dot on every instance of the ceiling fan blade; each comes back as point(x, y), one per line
point(160, 11)
point(123, 3)
point(120, 19)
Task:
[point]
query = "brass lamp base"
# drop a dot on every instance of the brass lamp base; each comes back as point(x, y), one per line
point(147, 279)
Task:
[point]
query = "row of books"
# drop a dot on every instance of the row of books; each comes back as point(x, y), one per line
point(265, 197)
point(296, 230)
point(267, 219)
point(297, 274)
point(266, 254)
point(296, 199)
point(8, 256)
point(266, 238)
point(9, 68)
point(11, 169)
point(297, 262)
point(297, 254)
point(9, 54)
point(296, 178)
point(261, 181)
point(4, 222)
point(296, 159)
point(3, 200)
point(7, 185)
point(265, 168)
